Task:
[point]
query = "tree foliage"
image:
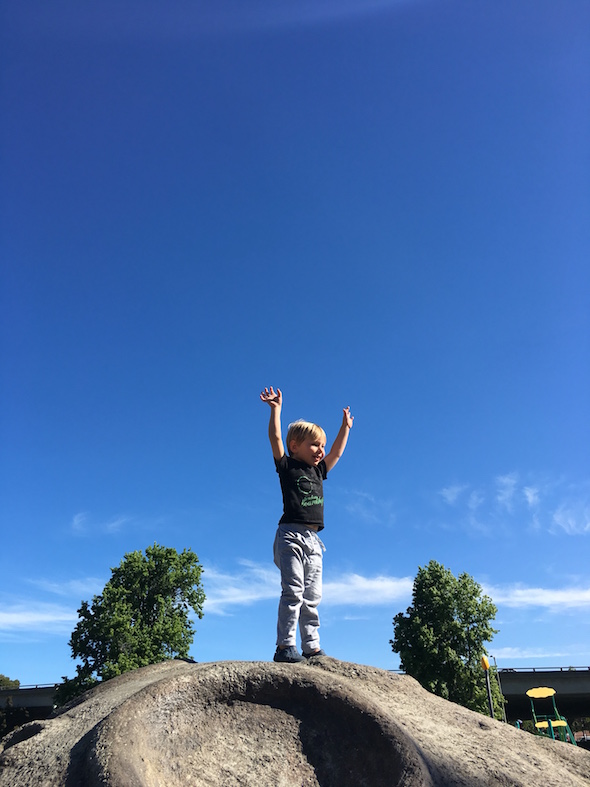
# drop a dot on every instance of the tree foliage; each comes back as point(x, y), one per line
point(10, 717)
point(580, 723)
point(441, 637)
point(8, 683)
point(141, 617)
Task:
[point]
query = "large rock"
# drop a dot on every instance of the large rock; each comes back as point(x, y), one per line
point(323, 722)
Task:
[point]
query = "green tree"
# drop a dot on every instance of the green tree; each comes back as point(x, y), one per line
point(580, 723)
point(141, 617)
point(8, 683)
point(441, 637)
point(10, 717)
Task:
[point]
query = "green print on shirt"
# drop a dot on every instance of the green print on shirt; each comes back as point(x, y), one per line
point(306, 489)
point(314, 500)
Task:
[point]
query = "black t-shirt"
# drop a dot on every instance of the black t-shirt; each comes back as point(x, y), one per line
point(303, 491)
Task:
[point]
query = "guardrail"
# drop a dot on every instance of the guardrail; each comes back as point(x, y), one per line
point(543, 669)
point(29, 686)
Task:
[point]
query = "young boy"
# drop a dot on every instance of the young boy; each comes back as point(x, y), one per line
point(297, 547)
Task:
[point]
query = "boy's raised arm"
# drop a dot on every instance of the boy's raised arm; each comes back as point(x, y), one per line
point(341, 439)
point(275, 400)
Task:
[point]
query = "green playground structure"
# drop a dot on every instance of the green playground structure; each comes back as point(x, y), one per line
point(551, 725)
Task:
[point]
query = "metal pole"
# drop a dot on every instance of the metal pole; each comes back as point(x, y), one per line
point(489, 688)
point(486, 667)
point(501, 692)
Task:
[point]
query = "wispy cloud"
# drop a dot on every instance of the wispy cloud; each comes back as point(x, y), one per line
point(505, 490)
point(72, 588)
point(311, 12)
point(527, 654)
point(466, 504)
point(36, 616)
point(475, 501)
point(557, 506)
point(253, 583)
point(450, 494)
point(183, 19)
point(368, 509)
point(555, 599)
point(79, 522)
point(249, 585)
point(356, 590)
point(573, 517)
point(83, 525)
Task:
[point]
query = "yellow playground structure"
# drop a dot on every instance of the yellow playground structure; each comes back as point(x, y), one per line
point(552, 724)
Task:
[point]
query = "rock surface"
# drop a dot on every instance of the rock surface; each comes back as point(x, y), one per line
point(324, 722)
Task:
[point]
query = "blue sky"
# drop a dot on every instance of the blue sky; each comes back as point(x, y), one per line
point(379, 204)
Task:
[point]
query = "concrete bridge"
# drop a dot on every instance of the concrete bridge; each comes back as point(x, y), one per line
point(38, 700)
point(571, 684)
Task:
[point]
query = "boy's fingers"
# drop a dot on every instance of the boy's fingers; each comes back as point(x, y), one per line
point(269, 394)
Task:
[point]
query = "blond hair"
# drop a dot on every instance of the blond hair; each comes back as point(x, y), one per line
point(304, 430)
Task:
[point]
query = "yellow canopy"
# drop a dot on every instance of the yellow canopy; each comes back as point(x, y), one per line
point(540, 693)
point(543, 725)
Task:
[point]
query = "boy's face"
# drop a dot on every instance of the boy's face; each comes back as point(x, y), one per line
point(310, 451)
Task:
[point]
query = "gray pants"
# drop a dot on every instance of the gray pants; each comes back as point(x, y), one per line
point(298, 554)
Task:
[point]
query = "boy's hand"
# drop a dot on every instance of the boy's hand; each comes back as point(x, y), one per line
point(272, 398)
point(341, 439)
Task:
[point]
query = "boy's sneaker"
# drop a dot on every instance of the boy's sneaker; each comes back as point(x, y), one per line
point(288, 655)
point(317, 653)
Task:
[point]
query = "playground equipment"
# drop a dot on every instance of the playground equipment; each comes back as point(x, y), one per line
point(551, 725)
